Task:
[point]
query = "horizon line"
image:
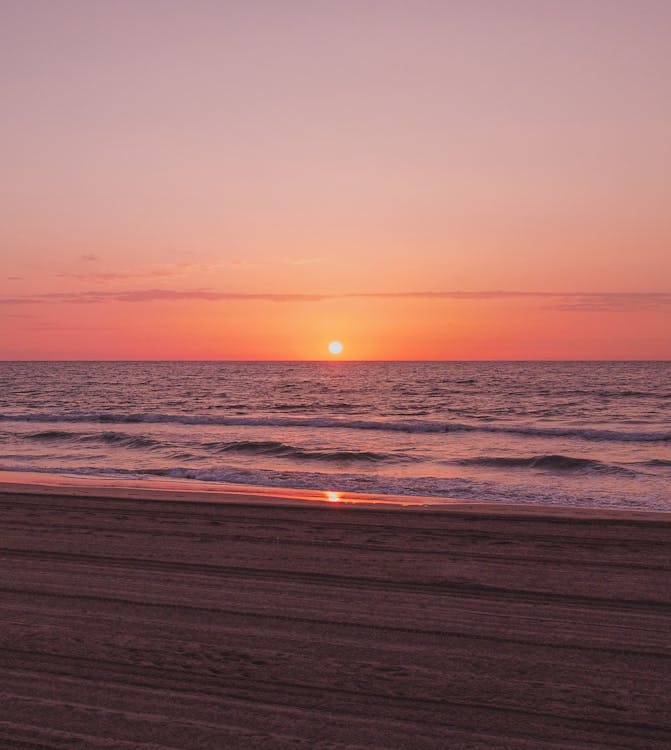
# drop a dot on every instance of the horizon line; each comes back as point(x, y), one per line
point(330, 360)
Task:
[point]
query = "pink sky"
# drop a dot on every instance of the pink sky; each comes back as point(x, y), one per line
point(234, 180)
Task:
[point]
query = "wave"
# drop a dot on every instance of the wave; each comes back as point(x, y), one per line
point(255, 447)
point(552, 462)
point(444, 489)
point(49, 436)
point(626, 394)
point(122, 439)
point(408, 426)
point(657, 462)
point(298, 407)
point(283, 450)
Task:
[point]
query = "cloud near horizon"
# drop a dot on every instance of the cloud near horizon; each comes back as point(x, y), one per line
point(560, 301)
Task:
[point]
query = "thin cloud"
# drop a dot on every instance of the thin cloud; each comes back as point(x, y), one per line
point(477, 295)
point(20, 300)
point(151, 271)
point(612, 302)
point(158, 295)
point(115, 276)
point(561, 301)
point(153, 295)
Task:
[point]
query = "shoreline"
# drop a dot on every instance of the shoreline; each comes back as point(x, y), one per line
point(152, 489)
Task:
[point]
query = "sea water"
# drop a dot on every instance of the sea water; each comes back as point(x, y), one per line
point(566, 433)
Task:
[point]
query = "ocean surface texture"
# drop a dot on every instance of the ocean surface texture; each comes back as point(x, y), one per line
point(567, 433)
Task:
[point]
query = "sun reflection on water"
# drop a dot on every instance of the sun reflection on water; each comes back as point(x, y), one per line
point(333, 497)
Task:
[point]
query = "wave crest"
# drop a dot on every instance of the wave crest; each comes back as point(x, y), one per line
point(283, 450)
point(408, 426)
point(121, 439)
point(551, 462)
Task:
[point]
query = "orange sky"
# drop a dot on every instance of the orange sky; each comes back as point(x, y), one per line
point(251, 180)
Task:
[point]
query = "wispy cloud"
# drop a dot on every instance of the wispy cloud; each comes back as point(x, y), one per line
point(105, 276)
point(148, 272)
point(20, 301)
point(563, 301)
point(153, 295)
point(611, 302)
point(89, 257)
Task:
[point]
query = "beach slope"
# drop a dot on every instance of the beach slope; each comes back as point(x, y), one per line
point(148, 624)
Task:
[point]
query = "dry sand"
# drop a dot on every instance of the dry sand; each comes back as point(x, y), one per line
point(148, 624)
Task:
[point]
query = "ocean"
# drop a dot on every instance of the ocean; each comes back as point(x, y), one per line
point(592, 434)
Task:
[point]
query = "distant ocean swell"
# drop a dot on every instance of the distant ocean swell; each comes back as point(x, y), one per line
point(281, 450)
point(273, 448)
point(109, 438)
point(550, 462)
point(409, 426)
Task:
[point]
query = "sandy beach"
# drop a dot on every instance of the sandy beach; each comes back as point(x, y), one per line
point(261, 623)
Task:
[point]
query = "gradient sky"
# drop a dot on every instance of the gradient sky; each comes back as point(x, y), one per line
point(252, 179)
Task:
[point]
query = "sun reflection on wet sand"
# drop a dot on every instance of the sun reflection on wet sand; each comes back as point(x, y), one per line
point(195, 491)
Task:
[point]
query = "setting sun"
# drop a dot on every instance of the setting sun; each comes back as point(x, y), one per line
point(469, 195)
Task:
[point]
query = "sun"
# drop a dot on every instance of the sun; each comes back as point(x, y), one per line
point(335, 347)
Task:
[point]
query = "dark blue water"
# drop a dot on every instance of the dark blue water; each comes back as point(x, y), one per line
point(592, 434)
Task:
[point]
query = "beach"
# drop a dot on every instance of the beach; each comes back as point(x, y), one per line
point(335, 376)
point(252, 620)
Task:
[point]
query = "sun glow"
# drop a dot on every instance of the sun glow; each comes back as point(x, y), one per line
point(335, 347)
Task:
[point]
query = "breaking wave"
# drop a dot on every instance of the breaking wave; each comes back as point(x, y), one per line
point(408, 426)
point(430, 487)
point(121, 439)
point(553, 462)
point(283, 450)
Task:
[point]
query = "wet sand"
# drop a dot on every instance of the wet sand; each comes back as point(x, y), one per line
point(139, 623)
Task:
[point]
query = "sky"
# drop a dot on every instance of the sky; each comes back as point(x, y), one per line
point(253, 179)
